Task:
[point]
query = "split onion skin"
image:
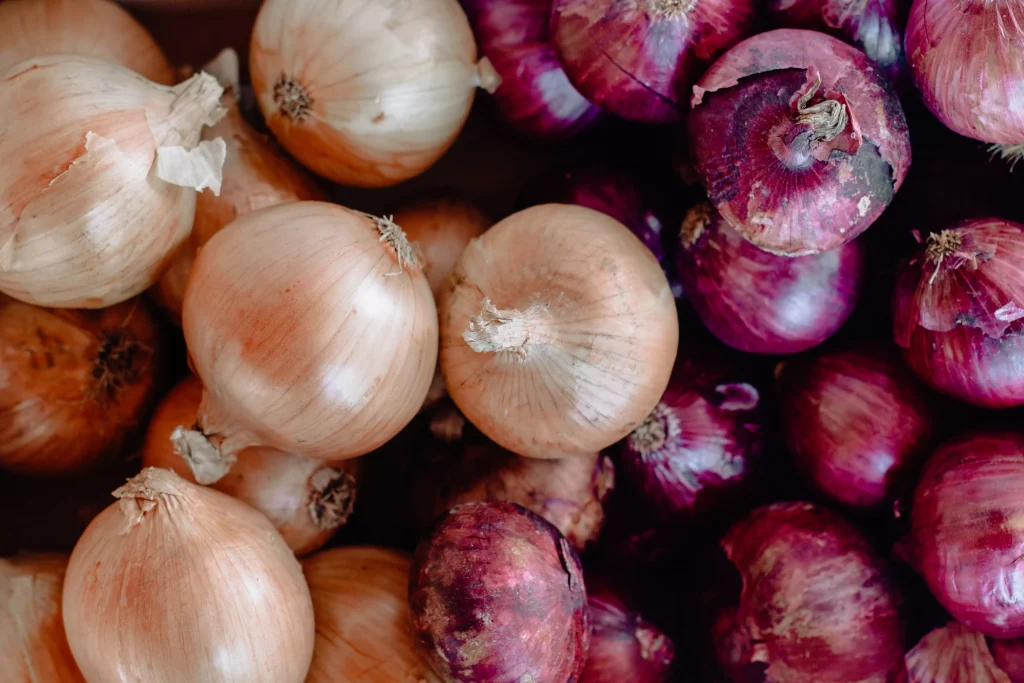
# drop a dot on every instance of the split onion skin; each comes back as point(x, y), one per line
point(954, 654)
point(624, 647)
point(76, 385)
point(591, 331)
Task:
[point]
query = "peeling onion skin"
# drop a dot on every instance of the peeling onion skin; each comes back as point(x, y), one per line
point(759, 302)
point(624, 647)
point(763, 168)
point(74, 385)
point(1009, 656)
point(958, 312)
point(953, 654)
point(637, 58)
point(817, 605)
point(497, 595)
point(557, 296)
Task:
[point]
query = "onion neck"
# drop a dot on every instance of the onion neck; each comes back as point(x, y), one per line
point(653, 643)
point(292, 100)
point(694, 224)
point(661, 426)
point(197, 104)
point(332, 497)
point(672, 9)
point(506, 331)
point(815, 130)
point(391, 233)
point(486, 76)
point(205, 460)
point(117, 364)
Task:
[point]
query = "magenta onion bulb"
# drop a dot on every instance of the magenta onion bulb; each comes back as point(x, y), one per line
point(1009, 656)
point(624, 647)
point(953, 654)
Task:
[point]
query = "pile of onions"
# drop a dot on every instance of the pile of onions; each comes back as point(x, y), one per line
point(857, 422)
point(33, 647)
point(799, 140)
point(758, 302)
point(965, 538)
point(360, 599)
point(958, 312)
point(535, 97)
point(638, 58)
point(324, 347)
point(624, 647)
point(177, 582)
point(816, 605)
point(366, 92)
point(559, 331)
point(74, 385)
point(306, 500)
point(954, 654)
point(91, 28)
point(497, 594)
point(105, 188)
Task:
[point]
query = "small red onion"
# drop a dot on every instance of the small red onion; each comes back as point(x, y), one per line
point(953, 654)
point(759, 302)
point(637, 58)
point(958, 312)
point(497, 594)
point(1009, 656)
point(778, 131)
point(816, 606)
point(624, 647)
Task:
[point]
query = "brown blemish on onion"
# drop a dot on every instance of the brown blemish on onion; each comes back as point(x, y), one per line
point(291, 99)
point(332, 497)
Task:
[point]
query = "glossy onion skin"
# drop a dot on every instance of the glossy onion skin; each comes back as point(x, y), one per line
point(960, 321)
point(602, 328)
point(497, 595)
point(964, 539)
point(953, 654)
point(638, 58)
point(624, 647)
point(759, 302)
point(781, 195)
point(966, 58)
point(816, 606)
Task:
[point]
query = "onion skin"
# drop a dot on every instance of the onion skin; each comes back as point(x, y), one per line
point(637, 58)
point(816, 606)
point(759, 302)
point(1009, 656)
point(75, 384)
point(624, 647)
point(953, 654)
point(488, 574)
point(768, 158)
point(599, 323)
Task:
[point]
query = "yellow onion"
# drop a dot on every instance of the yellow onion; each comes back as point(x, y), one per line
point(178, 582)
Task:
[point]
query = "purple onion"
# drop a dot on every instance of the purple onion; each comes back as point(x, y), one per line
point(624, 647)
point(1009, 656)
point(954, 654)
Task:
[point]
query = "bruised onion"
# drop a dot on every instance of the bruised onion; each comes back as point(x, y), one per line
point(558, 332)
point(624, 647)
point(953, 654)
point(637, 58)
point(958, 312)
point(177, 582)
point(799, 140)
point(74, 385)
point(497, 594)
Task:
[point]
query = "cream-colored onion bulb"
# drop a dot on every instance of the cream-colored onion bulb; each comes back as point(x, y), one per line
point(104, 188)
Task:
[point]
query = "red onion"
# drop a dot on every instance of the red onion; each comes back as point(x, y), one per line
point(957, 312)
point(966, 531)
point(535, 96)
point(778, 131)
point(759, 302)
point(624, 647)
point(637, 58)
point(953, 654)
point(1009, 656)
point(816, 606)
point(857, 422)
point(497, 594)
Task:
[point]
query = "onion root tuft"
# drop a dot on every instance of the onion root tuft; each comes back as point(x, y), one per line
point(333, 497)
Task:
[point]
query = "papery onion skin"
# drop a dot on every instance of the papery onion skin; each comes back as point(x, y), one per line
point(790, 172)
point(963, 536)
point(637, 58)
point(270, 331)
point(557, 296)
point(360, 599)
point(957, 312)
point(535, 97)
point(213, 592)
point(624, 647)
point(759, 302)
point(487, 574)
point(92, 28)
point(953, 654)
point(75, 385)
point(374, 120)
point(32, 643)
point(817, 605)
point(1009, 656)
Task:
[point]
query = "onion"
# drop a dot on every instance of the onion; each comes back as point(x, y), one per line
point(759, 302)
point(558, 332)
point(91, 28)
point(32, 642)
point(74, 385)
point(320, 342)
point(953, 654)
point(365, 92)
point(624, 647)
point(857, 422)
point(1009, 656)
point(306, 500)
point(105, 187)
point(778, 130)
point(191, 5)
point(176, 582)
point(817, 605)
point(497, 594)
point(637, 58)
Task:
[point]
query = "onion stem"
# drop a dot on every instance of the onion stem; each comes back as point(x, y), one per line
point(497, 330)
point(1012, 154)
point(671, 9)
point(827, 119)
point(207, 462)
